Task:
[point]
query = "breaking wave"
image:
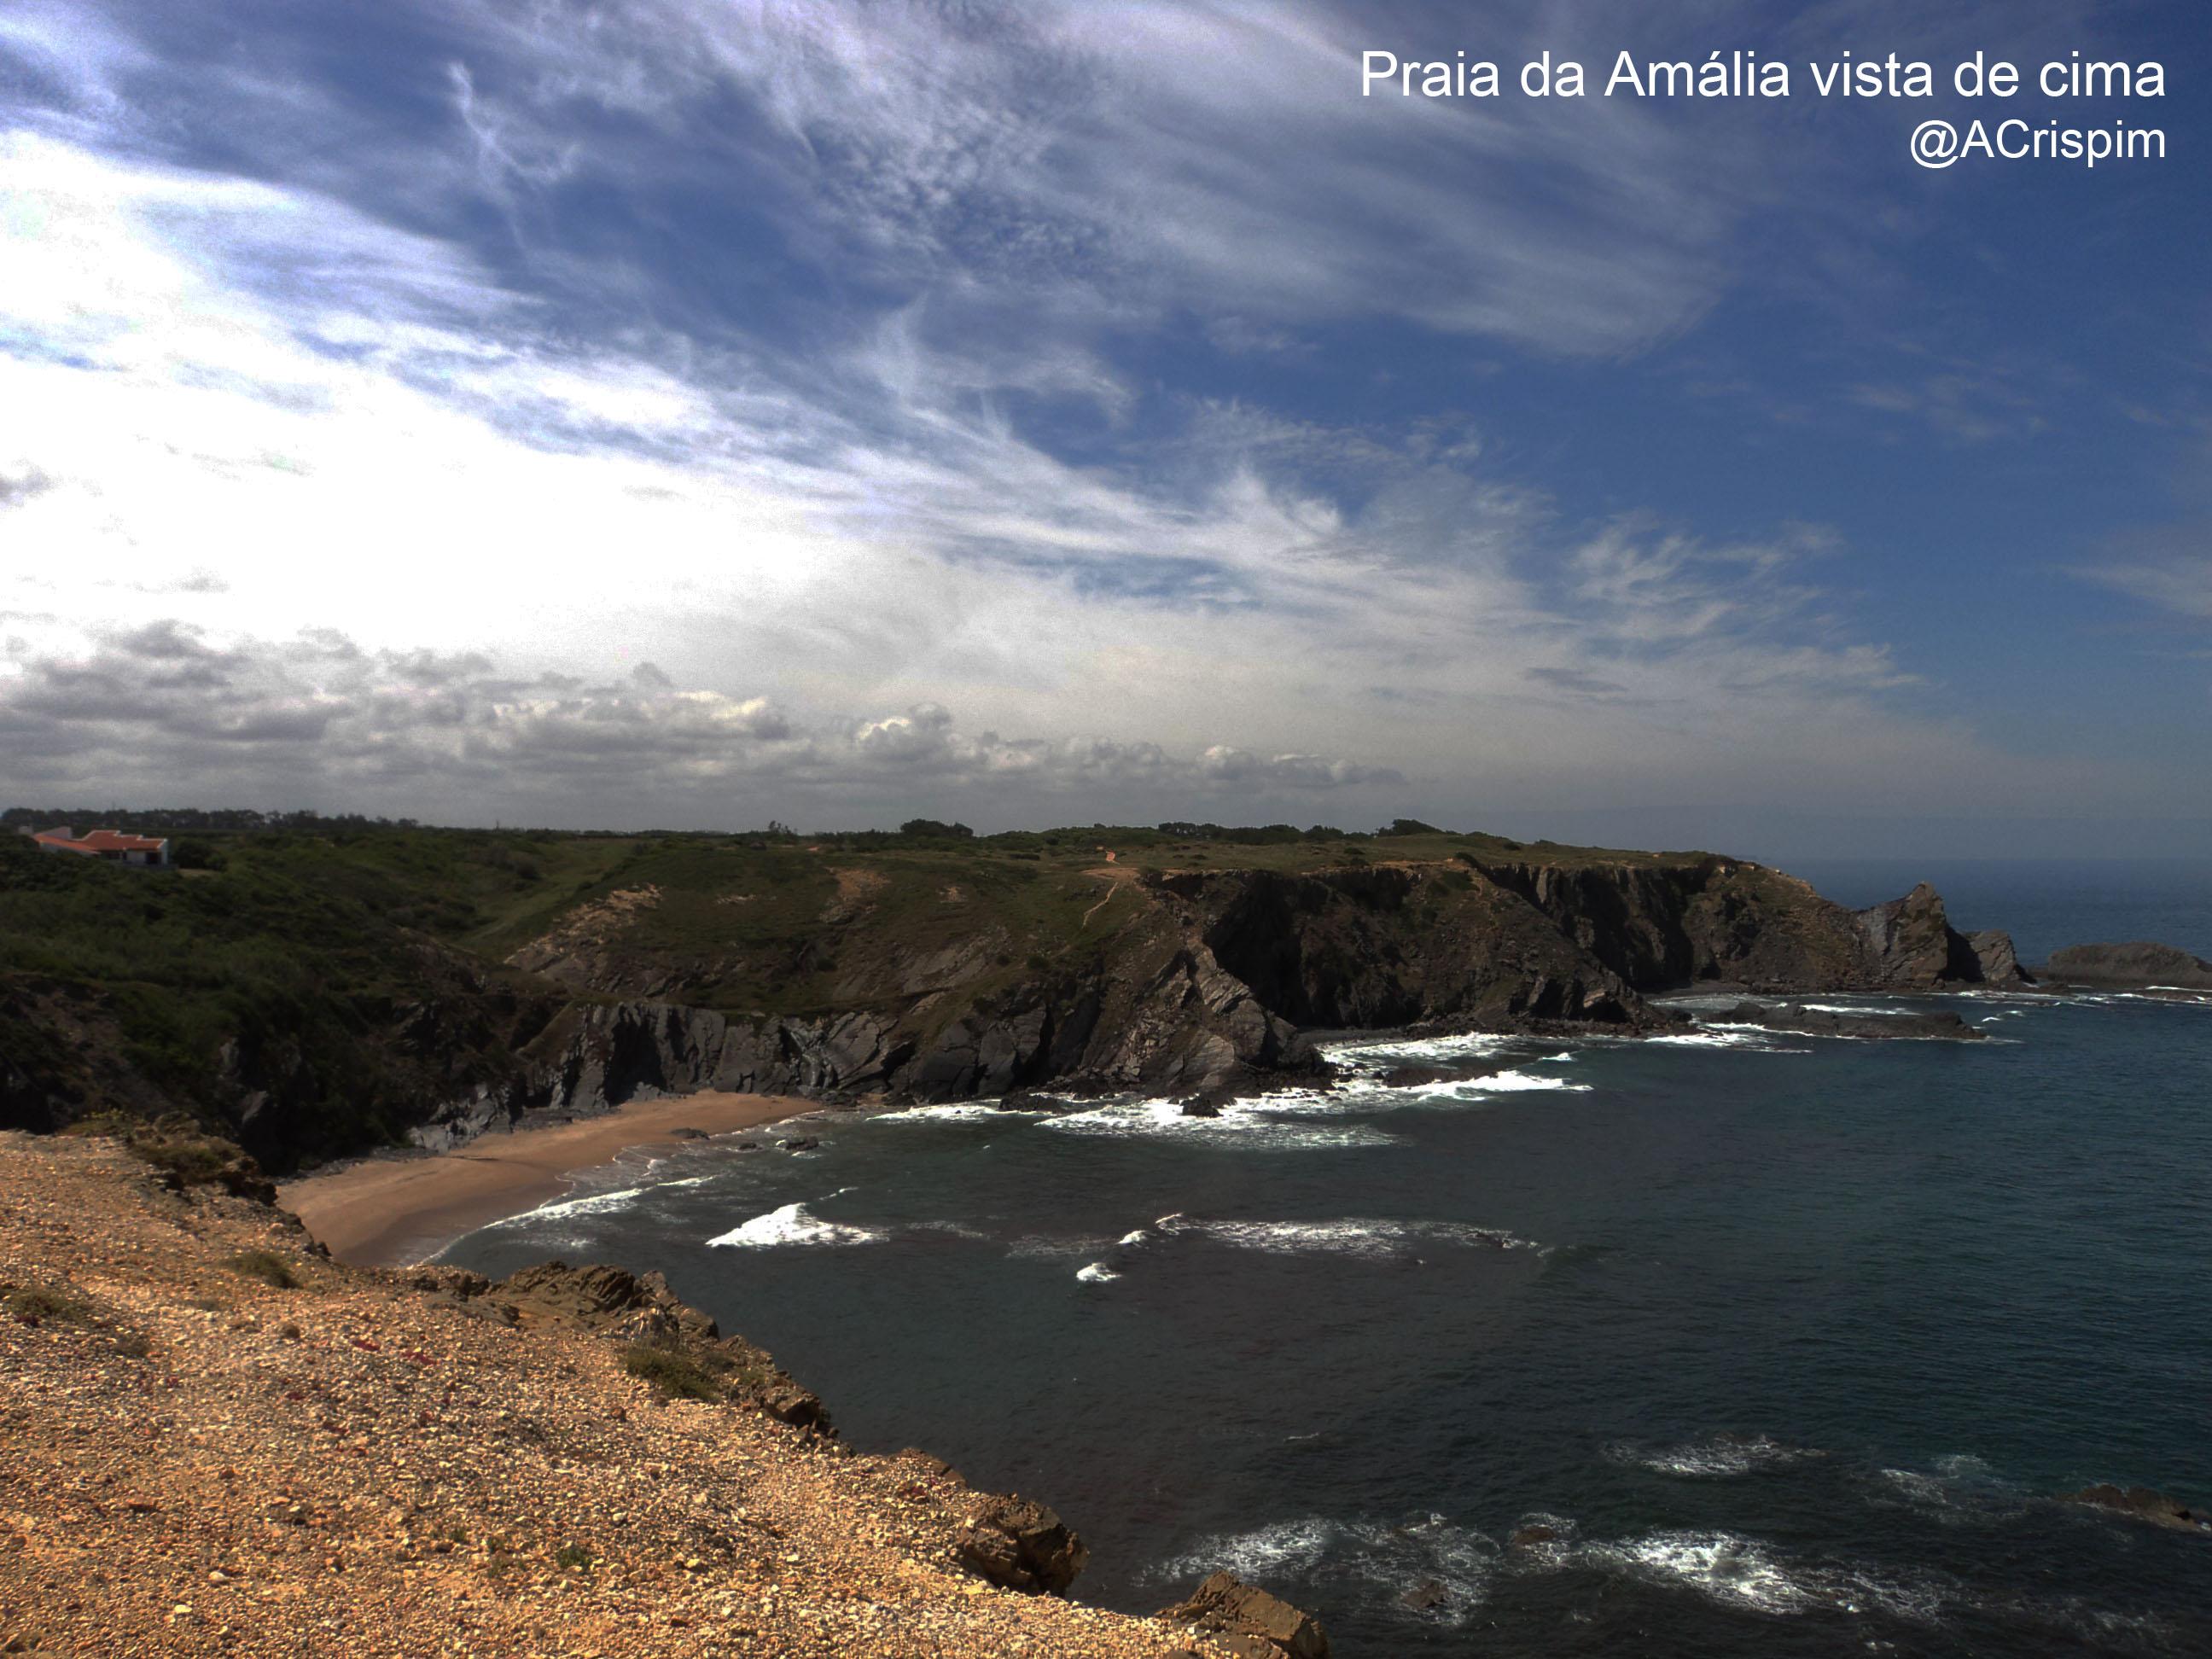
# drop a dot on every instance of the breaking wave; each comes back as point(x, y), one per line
point(964, 1111)
point(1259, 1124)
point(1427, 1569)
point(792, 1225)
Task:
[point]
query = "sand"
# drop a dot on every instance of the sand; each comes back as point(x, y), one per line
point(390, 1212)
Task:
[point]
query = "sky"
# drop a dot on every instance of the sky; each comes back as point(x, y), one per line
point(689, 413)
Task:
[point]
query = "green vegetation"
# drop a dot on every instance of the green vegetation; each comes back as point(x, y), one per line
point(310, 984)
point(677, 1376)
point(573, 1557)
point(269, 1267)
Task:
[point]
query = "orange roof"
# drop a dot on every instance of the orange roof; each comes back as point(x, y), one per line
point(102, 841)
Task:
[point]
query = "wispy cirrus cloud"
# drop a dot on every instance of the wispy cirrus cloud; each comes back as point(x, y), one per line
point(811, 353)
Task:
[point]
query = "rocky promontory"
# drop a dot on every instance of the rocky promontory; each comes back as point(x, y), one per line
point(1180, 966)
point(221, 1442)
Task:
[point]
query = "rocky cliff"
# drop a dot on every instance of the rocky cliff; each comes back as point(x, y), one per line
point(1210, 976)
point(930, 973)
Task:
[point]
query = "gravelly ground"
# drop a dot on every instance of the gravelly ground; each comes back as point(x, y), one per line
point(194, 1461)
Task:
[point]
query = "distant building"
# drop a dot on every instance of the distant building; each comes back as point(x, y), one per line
point(113, 845)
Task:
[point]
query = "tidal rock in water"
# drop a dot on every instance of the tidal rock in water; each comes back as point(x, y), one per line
point(2143, 1504)
point(1429, 1593)
point(1207, 1103)
point(1797, 1020)
point(2139, 966)
point(1534, 1531)
point(1249, 1622)
point(1911, 945)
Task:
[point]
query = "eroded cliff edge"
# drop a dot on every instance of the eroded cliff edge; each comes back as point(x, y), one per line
point(1209, 978)
point(933, 974)
point(221, 1442)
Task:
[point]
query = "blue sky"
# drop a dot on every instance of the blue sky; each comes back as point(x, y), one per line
point(697, 411)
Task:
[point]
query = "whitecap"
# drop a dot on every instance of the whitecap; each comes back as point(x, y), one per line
point(1525, 1083)
point(1714, 1456)
point(1722, 1566)
point(1097, 1274)
point(1359, 1237)
point(1381, 1052)
point(965, 1111)
point(792, 1225)
point(1737, 1571)
point(1240, 1123)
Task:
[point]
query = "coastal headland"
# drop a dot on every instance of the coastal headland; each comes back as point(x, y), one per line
point(222, 1442)
point(319, 994)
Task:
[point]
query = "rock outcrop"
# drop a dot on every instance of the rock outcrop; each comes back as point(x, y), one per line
point(1205, 990)
point(2140, 966)
point(772, 970)
point(642, 1311)
point(1938, 1025)
point(1250, 1622)
point(2143, 1503)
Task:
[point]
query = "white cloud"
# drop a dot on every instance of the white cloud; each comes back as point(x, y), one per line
point(260, 410)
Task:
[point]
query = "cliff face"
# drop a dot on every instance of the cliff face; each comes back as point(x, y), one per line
point(936, 976)
point(1213, 973)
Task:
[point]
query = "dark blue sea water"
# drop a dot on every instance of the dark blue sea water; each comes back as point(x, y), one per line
point(1790, 1343)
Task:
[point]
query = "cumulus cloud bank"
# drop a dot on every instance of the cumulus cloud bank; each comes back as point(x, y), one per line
point(318, 718)
point(361, 432)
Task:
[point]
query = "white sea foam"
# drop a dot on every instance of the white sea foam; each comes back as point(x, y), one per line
point(1959, 1487)
point(1367, 1092)
point(1508, 1083)
point(956, 1228)
point(611, 1202)
point(1365, 1053)
point(1372, 1560)
point(1722, 1036)
point(1714, 1456)
point(792, 1225)
point(1736, 1571)
point(966, 1111)
point(1722, 1566)
point(1097, 1274)
point(1253, 1124)
point(1359, 1237)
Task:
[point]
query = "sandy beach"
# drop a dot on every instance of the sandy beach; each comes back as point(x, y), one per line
point(391, 1211)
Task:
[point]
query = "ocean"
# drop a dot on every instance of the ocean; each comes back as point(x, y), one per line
point(1764, 1345)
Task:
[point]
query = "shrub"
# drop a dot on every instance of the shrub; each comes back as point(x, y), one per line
point(573, 1556)
point(265, 1266)
point(194, 1161)
point(677, 1376)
